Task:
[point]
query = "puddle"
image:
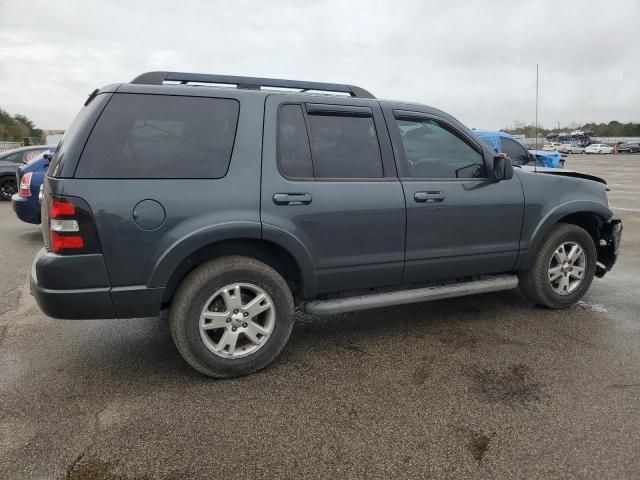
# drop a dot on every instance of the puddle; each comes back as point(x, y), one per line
point(593, 307)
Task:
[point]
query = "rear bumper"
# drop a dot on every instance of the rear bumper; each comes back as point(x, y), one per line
point(609, 247)
point(27, 209)
point(77, 287)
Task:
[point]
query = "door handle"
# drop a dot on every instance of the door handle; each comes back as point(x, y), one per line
point(292, 198)
point(428, 197)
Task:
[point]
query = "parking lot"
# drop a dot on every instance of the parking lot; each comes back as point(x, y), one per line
point(475, 387)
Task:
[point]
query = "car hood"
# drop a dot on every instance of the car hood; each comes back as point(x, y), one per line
point(563, 173)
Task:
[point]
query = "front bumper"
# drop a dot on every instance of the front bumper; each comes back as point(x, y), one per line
point(609, 246)
point(27, 209)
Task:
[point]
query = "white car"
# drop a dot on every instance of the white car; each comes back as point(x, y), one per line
point(570, 148)
point(551, 147)
point(598, 148)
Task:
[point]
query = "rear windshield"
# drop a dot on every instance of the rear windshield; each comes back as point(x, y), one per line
point(161, 136)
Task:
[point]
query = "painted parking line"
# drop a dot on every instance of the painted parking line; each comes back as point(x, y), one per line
point(626, 209)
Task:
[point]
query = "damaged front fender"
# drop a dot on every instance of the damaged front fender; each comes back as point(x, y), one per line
point(608, 246)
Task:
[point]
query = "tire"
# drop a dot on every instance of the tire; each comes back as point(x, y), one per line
point(536, 283)
point(600, 152)
point(8, 187)
point(584, 152)
point(198, 346)
point(569, 152)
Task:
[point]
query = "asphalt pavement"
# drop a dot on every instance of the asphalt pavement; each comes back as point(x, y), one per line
point(488, 386)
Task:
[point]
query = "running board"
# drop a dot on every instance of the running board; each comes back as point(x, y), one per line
point(387, 299)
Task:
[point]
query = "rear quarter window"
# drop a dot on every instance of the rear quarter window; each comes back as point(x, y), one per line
point(161, 136)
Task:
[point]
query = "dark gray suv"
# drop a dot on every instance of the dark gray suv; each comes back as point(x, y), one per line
point(233, 206)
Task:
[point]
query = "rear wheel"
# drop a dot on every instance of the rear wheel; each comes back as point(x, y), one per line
point(231, 317)
point(8, 187)
point(600, 151)
point(563, 269)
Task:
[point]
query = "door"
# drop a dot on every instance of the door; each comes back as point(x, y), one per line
point(330, 188)
point(459, 221)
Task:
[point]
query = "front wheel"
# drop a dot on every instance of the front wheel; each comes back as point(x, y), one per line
point(563, 269)
point(231, 317)
point(8, 187)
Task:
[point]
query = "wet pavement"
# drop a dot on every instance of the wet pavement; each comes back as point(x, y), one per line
point(479, 387)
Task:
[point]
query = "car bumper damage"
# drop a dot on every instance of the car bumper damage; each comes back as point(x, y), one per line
point(608, 246)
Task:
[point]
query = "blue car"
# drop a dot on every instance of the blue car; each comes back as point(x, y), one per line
point(26, 203)
point(502, 142)
point(9, 163)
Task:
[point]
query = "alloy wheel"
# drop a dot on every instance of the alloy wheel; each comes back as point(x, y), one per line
point(237, 320)
point(567, 268)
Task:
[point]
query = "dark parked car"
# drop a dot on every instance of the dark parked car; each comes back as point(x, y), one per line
point(9, 163)
point(629, 147)
point(26, 203)
point(232, 206)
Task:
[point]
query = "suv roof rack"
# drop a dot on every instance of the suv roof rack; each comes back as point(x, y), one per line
point(252, 83)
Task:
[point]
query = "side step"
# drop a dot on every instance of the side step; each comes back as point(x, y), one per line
point(387, 299)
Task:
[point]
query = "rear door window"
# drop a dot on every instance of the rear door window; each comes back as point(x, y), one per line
point(294, 153)
point(321, 141)
point(15, 158)
point(344, 147)
point(161, 136)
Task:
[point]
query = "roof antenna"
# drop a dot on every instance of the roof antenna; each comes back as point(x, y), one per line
point(535, 165)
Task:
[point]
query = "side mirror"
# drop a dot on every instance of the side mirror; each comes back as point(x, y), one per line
point(48, 156)
point(502, 168)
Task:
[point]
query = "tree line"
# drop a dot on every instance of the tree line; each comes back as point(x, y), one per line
point(611, 129)
point(13, 128)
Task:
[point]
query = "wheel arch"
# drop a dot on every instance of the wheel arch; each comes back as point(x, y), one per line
point(590, 216)
point(266, 251)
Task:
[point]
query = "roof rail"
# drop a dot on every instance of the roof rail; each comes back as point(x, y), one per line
point(253, 83)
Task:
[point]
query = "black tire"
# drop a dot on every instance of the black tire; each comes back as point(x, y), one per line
point(535, 284)
point(8, 187)
point(196, 290)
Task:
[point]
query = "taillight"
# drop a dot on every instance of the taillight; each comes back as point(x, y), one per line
point(25, 185)
point(71, 226)
point(60, 206)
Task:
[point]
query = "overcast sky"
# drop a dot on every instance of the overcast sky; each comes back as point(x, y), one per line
point(476, 60)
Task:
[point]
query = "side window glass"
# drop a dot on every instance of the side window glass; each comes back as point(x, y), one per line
point(161, 136)
point(433, 151)
point(344, 147)
point(294, 153)
point(514, 151)
point(31, 154)
point(15, 158)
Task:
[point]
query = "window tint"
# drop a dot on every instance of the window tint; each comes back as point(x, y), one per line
point(31, 154)
point(16, 157)
point(161, 136)
point(344, 147)
point(294, 155)
point(432, 151)
point(515, 151)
